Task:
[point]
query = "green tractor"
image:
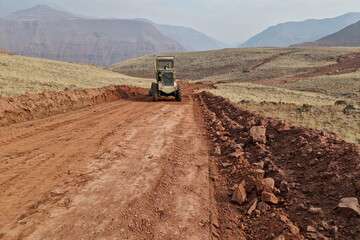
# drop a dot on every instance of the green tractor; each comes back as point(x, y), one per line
point(166, 84)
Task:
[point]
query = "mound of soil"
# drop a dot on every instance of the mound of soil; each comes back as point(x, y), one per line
point(34, 106)
point(276, 181)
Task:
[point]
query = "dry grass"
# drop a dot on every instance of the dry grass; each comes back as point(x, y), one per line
point(329, 118)
point(199, 65)
point(235, 64)
point(307, 109)
point(19, 75)
point(259, 93)
point(345, 86)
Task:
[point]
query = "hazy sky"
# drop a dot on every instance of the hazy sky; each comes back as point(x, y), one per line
point(232, 21)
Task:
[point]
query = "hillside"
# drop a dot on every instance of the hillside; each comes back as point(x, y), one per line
point(42, 31)
point(19, 75)
point(237, 64)
point(48, 33)
point(199, 65)
point(290, 33)
point(41, 13)
point(7, 7)
point(189, 38)
point(347, 37)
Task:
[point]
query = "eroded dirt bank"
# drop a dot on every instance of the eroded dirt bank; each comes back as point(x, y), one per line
point(34, 106)
point(279, 182)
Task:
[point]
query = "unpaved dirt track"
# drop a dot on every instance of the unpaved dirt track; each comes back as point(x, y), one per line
point(120, 170)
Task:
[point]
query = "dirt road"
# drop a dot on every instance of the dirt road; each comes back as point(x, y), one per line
point(120, 170)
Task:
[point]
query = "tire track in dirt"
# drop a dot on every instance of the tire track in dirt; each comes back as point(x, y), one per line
point(124, 170)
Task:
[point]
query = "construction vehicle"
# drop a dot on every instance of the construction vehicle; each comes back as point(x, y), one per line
point(166, 84)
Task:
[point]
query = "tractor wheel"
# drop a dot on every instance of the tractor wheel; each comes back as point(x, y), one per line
point(178, 96)
point(154, 91)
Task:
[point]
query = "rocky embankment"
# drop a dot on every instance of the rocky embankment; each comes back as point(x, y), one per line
point(277, 181)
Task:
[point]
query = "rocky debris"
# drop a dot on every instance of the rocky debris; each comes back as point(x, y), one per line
point(280, 237)
point(293, 229)
point(269, 197)
point(258, 134)
point(315, 210)
point(259, 173)
point(357, 185)
point(284, 187)
point(309, 170)
point(310, 229)
point(268, 184)
point(260, 164)
point(226, 164)
point(239, 195)
point(351, 203)
point(253, 205)
point(263, 207)
point(217, 150)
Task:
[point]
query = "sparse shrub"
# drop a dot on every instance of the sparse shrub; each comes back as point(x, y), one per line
point(304, 108)
point(349, 109)
point(340, 103)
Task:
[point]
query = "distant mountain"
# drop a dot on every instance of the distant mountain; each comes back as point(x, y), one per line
point(9, 6)
point(41, 13)
point(190, 39)
point(45, 32)
point(42, 31)
point(347, 37)
point(290, 33)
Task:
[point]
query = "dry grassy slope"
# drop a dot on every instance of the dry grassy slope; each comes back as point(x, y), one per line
point(237, 64)
point(309, 102)
point(304, 108)
point(346, 86)
point(19, 75)
point(198, 65)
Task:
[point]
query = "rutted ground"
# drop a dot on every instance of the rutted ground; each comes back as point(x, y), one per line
point(120, 170)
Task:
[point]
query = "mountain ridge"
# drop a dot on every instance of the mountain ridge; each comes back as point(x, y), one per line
point(295, 32)
point(60, 35)
point(45, 32)
point(347, 37)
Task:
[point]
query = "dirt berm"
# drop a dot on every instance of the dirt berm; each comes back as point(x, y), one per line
point(34, 106)
point(277, 181)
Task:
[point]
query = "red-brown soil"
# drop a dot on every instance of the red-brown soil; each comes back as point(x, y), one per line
point(128, 169)
point(311, 169)
point(115, 165)
point(345, 64)
point(34, 106)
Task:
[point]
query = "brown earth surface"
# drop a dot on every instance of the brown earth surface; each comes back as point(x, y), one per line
point(311, 170)
point(345, 64)
point(120, 170)
point(136, 169)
